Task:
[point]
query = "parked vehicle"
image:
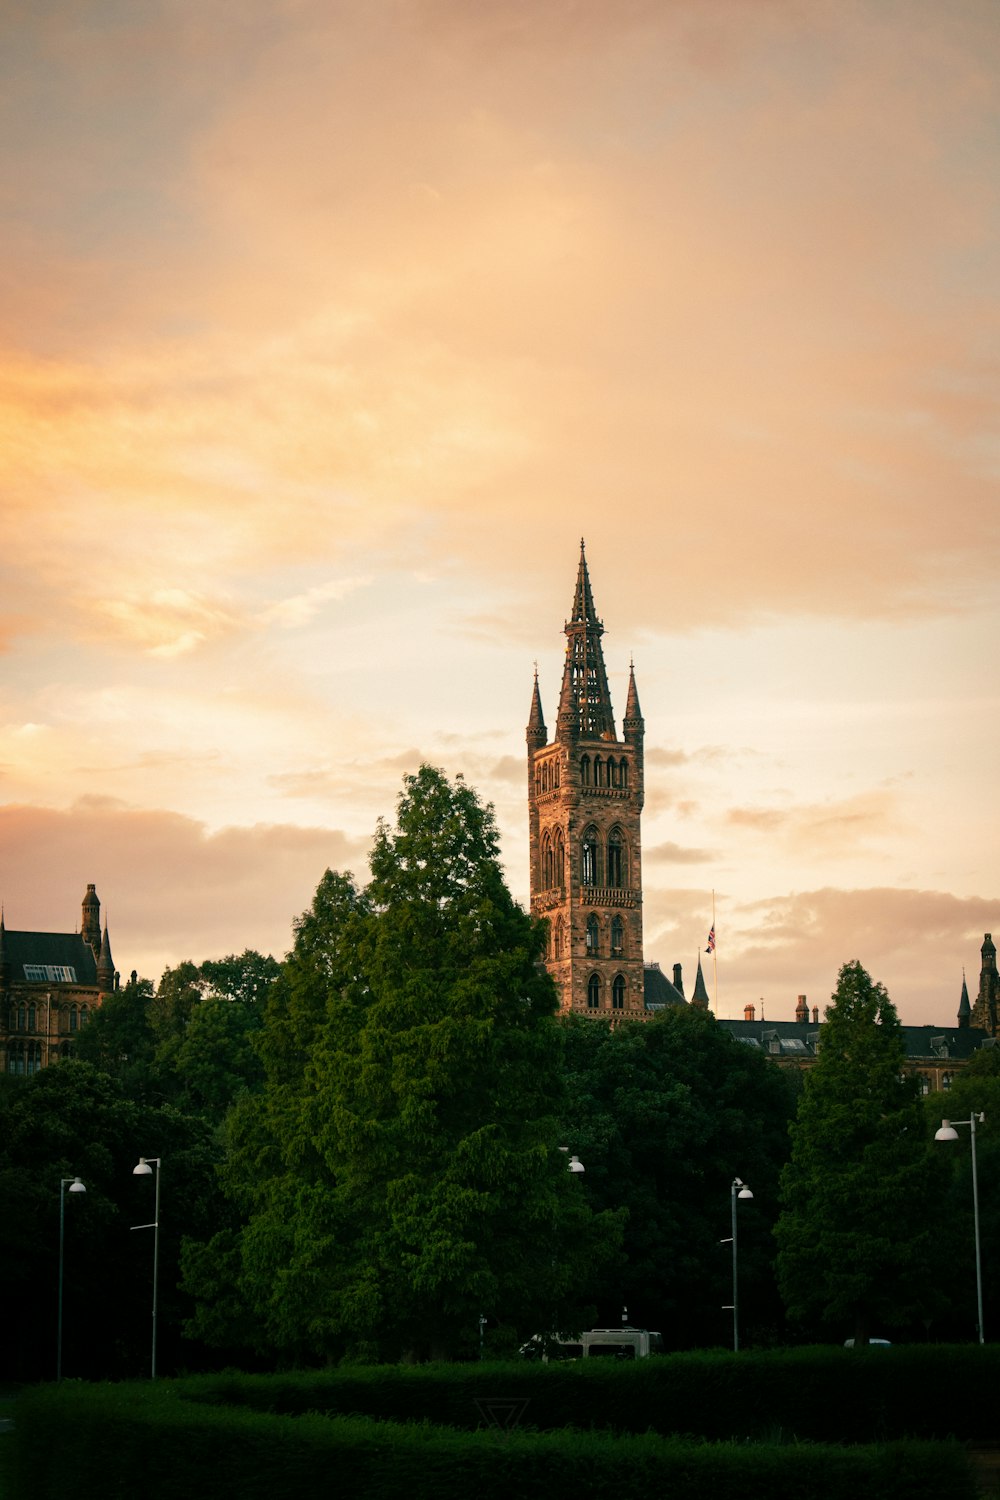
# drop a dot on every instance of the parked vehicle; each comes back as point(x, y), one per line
point(596, 1343)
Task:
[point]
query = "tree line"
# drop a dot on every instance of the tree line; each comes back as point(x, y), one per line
point(364, 1148)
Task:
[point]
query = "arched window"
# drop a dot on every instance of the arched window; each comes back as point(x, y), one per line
point(946, 1081)
point(623, 768)
point(585, 771)
point(598, 771)
point(617, 937)
point(559, 938)
point(21, 1013)
point(592, 934)
point(84, 1013)
point(34, 1057)
point(558, 858)
point(555, 775)
point(594, 992)
point(588, 857)
point(74, 1019)
point(31, 1017)
point(925, 1083)
point(15, 1057)
point(546, 862)
point(618, 992)
point(538, 781)
point(613, 775)
point(615, 861)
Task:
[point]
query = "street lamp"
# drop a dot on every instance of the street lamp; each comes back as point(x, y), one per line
point(75, 1186)
point(744, 1192)
point(949, 1133)
point(144, 1169)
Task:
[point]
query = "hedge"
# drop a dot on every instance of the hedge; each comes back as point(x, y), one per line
point(108, 1442)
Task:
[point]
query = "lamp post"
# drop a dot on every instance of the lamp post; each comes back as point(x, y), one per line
point(75, 1186)
point(144, 1169)
point(744, 1192)
point(949, 1133)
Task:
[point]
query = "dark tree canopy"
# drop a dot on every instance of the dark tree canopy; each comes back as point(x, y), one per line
point(400, 1173)
point(664, 1114)
point(857, 1242)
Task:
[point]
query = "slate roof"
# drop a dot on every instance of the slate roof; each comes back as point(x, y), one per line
point(657, 989)
point(49, 949)
point(800, 1039)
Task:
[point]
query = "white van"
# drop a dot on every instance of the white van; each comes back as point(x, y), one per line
point(596, 1343)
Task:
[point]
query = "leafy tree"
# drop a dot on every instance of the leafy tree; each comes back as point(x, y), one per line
point(664, 1114)
point(400, 1172)
point(119, 1040)
point(856, 1240)
point(69, 1120)
point(975, 1089)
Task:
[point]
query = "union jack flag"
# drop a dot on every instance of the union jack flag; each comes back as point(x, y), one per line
point(711, 940)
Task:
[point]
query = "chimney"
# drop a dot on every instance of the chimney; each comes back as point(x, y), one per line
point(678, 980)
point(802, 1010)
point(815, 1015)
point(748, 1013)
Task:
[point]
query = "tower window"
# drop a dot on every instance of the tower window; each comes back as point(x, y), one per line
point(618, 993)
point(588, 856)
point(585, 771)
point(73, 1018)
point(31, 1017)
point(558, 858)
point(592, 934)
point(594, 992)
point(617, 937)
point(615, 858)
point(623, 768)
point(598, 771)
point(559, 933)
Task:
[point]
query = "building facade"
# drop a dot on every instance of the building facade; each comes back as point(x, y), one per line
point(50, 983)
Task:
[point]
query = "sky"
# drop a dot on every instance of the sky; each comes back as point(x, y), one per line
point(329, 327)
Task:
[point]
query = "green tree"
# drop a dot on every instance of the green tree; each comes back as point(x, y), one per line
point(856, 1240)
point(400, 1172)
point(69, 1120)
point(664, 1114)
point(119, 1040)
point(975, 1089)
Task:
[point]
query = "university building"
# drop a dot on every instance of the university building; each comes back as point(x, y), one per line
point(585, 797)
point(50, 983)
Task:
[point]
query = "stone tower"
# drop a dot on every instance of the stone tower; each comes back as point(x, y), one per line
point(585, 795)
point(986, 1011)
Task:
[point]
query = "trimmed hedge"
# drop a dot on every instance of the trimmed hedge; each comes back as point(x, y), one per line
point(113, 1442)
point(818, 1395)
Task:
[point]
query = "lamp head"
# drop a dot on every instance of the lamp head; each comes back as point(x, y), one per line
point(576, 1165)
point(143, 1169)
point(76, 1186)
point(947, 1132)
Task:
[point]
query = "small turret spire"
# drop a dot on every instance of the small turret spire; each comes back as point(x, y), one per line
point(700, 995)
point(105, 963)
point(536, 731)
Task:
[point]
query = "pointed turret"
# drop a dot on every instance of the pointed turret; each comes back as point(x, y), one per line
point(700, 996)
point(585, 700)
point(106, 965)
point(537, 734)
point(964, 1008)
point(4, 961)
point(90, 920)
point(984, 1012)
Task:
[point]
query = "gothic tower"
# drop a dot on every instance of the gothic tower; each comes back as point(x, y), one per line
point(585, 795)
point(986, 1011)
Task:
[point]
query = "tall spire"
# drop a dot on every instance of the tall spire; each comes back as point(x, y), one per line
point(105, 963)
point(964, 1008)
point(585, 700)
point(700, 996)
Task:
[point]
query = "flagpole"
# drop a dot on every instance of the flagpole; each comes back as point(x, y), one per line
point(715, 961)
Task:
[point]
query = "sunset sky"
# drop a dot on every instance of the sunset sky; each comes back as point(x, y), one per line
point(328, 329)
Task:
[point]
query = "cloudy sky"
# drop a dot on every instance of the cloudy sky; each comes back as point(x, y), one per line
point(327, 329)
